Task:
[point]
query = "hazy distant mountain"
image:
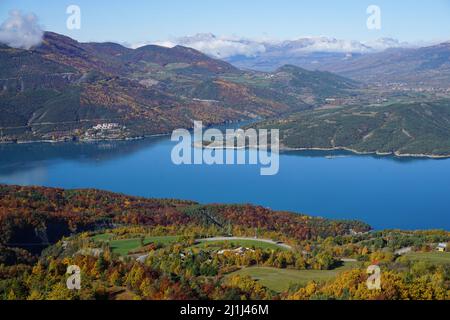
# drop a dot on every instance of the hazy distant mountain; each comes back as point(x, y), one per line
point(385, 60)
point(268, 55)
point(426, 67)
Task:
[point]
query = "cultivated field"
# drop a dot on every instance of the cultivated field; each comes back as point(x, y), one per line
point(432, 257)
point(280, 279)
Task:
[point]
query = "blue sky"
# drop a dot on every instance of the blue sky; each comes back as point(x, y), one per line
point(148, 20)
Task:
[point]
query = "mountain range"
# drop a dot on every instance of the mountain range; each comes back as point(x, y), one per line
point(62, 89)
point(414, 67)
point(67, 90)
point(418, 67)
point(228, 47)
point(381, 61)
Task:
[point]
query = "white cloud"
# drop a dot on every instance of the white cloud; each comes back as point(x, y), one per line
point(386, 43)
point(218, 47)
point(21, 30)
point(224, 47)
point(322, 44)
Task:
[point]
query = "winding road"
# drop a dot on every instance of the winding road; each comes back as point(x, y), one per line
point(282, 245)
point(142, 258)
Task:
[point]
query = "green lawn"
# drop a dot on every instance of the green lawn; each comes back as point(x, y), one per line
point(280, 279)
point(239, 243)
point(123, 246)
point(433, 257)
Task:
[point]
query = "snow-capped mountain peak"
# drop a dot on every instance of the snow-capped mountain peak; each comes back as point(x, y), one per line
point(225, 47)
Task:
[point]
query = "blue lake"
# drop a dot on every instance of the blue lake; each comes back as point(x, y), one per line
point(385, 192)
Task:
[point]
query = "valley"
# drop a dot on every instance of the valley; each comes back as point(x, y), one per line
point(62, 89)
point(174, 151)
point(137, 248)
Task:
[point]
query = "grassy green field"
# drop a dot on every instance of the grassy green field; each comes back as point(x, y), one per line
point(280, 279)
point(239, 243)
point(433, 257)
point(124, 246)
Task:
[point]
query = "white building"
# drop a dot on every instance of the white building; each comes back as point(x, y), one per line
point(106, 126)
point(442, 247)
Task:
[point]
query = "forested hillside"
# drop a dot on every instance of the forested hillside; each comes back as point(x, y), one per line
point(129, 248)
point(31, 218)
point(62, 89)
point(415, 128)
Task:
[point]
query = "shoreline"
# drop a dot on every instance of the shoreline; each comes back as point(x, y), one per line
point(381, 154)
point(353, 151)
point(19, 142)
point(2, 142)
point(282, 148)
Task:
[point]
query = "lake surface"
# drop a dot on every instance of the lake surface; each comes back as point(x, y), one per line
point(385, 192)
